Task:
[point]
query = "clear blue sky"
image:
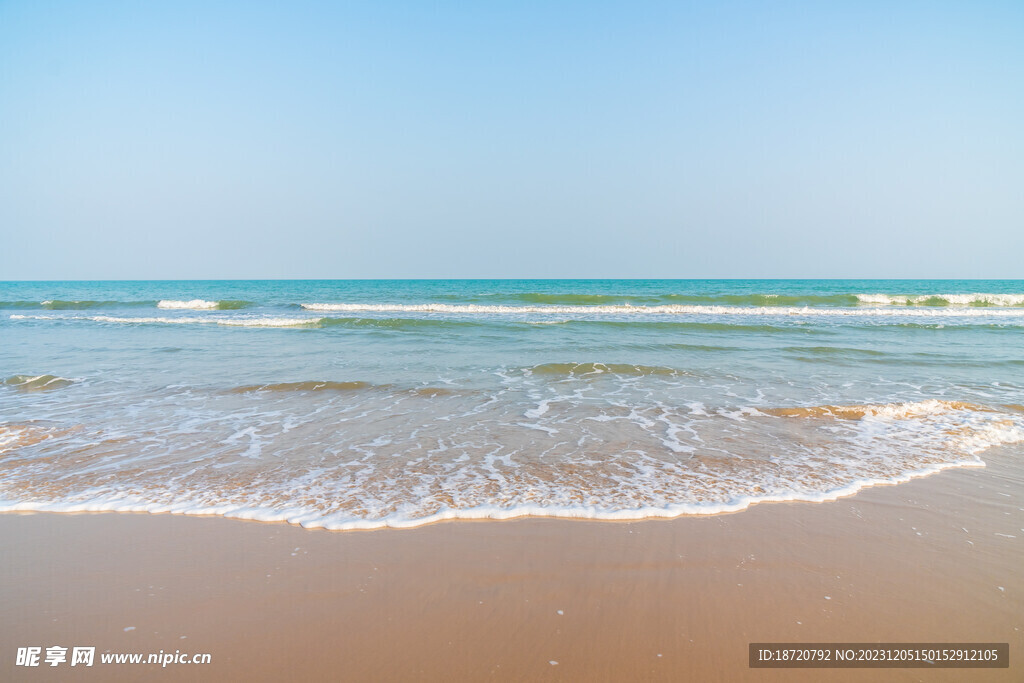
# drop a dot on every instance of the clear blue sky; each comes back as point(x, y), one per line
point(511, 139)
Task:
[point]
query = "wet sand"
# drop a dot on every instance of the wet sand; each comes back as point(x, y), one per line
point(937, 559)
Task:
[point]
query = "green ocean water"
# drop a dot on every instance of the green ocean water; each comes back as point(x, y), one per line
point(352, 404)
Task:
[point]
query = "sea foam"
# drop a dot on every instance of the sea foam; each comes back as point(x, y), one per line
point(393, 479)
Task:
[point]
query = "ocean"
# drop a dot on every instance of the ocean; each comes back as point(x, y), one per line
point(363, 404)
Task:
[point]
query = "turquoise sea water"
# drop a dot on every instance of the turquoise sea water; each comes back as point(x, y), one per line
point(352, 404)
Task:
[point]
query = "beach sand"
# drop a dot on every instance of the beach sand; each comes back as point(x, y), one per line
point(938, 559)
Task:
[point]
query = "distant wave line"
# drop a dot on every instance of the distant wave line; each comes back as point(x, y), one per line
point(220, 320)
point(672, 309)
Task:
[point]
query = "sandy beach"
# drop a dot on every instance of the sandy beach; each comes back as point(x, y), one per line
point(934, 560)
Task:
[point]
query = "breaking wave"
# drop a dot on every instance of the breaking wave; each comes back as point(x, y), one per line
point(37, 382)
point(943, 299)
point(203, 305)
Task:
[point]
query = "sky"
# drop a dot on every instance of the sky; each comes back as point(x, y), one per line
point(374, 139)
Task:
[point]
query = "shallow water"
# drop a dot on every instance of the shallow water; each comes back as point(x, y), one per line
point(350, 404)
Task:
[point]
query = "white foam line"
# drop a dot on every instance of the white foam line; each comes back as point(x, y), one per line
point(951, 299)
point(230, 322)
point(310, 519)
point(198, 304)
point(670, 310)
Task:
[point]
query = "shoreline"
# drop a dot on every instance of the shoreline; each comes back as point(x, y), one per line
point(498, 514)
point(935, 559)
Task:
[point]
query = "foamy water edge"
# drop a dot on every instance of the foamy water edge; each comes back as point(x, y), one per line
point(312, 520)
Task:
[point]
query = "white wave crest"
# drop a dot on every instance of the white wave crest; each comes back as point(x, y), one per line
point(194, 304)
point(950, 299)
